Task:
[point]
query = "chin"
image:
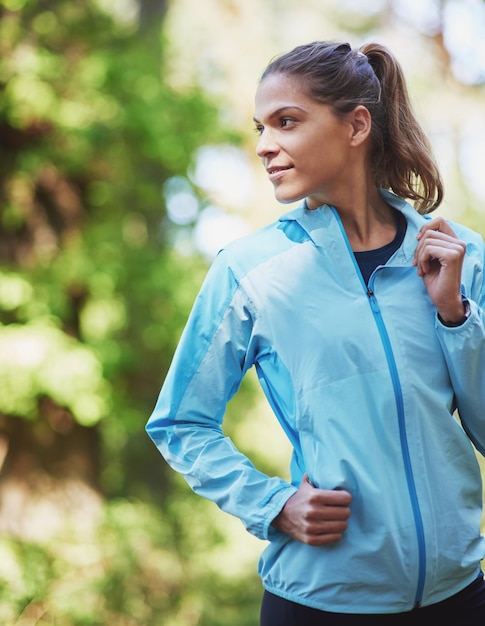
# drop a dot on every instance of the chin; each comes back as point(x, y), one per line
point(286, 199)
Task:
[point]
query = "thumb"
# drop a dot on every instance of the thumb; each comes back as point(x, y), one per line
point(306, 480)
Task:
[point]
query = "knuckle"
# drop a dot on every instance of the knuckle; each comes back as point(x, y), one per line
point(307, 515)
point(458, 253)
point(306, 526)
point(311, 540)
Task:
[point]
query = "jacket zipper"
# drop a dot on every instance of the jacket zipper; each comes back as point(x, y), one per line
point(418, 520)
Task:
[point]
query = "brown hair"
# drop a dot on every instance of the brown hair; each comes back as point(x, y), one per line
point(335, 74)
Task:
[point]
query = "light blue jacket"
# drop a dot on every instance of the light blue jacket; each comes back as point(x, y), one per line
point(365, 382)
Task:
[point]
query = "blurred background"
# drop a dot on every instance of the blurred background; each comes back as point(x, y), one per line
point(126, 160)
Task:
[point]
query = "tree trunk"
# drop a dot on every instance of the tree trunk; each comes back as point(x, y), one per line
point(49, 475)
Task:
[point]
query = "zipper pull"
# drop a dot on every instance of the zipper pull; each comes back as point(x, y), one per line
point(373, 300)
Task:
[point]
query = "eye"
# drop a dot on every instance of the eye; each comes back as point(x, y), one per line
point(258, 129)
point(286, 121)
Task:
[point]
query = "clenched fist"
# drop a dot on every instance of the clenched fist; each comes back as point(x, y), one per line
point(315, 516)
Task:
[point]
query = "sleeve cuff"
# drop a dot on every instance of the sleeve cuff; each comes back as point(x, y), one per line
point(466, 304)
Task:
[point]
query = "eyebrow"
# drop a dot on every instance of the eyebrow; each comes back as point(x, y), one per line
point(281, 110)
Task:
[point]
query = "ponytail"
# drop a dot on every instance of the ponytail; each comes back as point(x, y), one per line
point(402, 157)
point(335, 74)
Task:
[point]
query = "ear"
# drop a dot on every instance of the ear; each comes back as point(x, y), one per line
point(361, 122)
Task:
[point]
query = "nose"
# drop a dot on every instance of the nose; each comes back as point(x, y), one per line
point(266, 145)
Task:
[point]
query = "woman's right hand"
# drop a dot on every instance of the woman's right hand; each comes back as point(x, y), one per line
point(314, 516)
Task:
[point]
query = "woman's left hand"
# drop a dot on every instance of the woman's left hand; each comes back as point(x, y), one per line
point(439, 258)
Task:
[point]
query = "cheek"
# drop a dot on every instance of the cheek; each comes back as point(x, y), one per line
point(316, 149)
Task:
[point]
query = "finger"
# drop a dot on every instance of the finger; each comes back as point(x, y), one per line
point(317, 518)
point(426, 238)
point(437, 237)
point(338, 497)
point(324, 540)
point(440, 250)
point(326, 533)
point(306, 480)
point(438, 224)
point(436, 245)
point(323, 526)
point(330, 497)
point(445, 250)
point(442, 254)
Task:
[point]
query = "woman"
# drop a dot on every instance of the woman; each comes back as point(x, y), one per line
point(364, 320)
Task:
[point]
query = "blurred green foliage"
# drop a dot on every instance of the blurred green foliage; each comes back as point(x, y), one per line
point(135, 569)
point(93, 296)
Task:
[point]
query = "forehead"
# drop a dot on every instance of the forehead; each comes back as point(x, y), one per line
point(278, 91)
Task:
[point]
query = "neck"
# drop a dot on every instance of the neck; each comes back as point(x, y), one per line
point(369, 225)
point(368, 220)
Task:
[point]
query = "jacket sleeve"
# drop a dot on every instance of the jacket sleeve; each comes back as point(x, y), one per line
point(464, 348)
point(214, 352)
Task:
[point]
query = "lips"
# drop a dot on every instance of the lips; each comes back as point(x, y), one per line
point(275, 172)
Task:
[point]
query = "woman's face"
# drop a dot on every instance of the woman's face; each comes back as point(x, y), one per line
point(304, 146)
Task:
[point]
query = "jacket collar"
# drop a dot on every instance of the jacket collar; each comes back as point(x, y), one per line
point(322, 225)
